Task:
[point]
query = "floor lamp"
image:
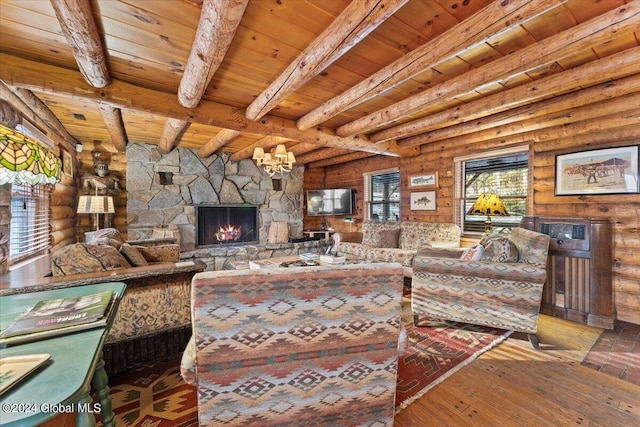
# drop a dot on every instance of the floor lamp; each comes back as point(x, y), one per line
point(95, 205)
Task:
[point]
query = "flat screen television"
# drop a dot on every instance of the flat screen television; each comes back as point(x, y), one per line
point(336, 201)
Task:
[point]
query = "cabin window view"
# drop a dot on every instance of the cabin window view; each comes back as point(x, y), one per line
point(383, 196)
point(504, 175)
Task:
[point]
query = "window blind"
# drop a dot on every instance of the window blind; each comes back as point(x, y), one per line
point(382, 193)
point(30, 217)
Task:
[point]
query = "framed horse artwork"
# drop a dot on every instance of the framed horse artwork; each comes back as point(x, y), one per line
point(603, 171)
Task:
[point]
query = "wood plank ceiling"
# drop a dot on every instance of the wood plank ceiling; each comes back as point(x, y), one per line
point(333, 79)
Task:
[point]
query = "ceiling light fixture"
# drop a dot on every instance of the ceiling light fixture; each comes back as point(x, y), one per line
point(277, 160)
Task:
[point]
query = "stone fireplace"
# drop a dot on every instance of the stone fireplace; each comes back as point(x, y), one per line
point(226, 225)
point(170, 188)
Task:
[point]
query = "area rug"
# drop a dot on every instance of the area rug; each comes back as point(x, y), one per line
point(156, 395)
point(437, 350)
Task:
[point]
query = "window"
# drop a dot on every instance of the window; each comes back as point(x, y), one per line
point(29, 221)
point(382, 195)
point(504, 172)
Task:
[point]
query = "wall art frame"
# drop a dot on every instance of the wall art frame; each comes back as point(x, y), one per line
point(601, 171)
point(67, 164)
point(423, 180)
point(423, 201)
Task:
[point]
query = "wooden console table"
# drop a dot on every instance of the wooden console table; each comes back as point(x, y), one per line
point(579, 270)
point(63, 383)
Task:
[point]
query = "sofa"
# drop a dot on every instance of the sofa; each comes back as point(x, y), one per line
point(296, 346)
point(391, 241)
point(153, 321)
point(496, 283)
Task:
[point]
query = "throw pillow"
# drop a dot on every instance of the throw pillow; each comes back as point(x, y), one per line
point(82, 258)
point(388, 238)
point(133, 255)
point(474, 253)
point(109, 233)
point(106, 241)
point(160, 253)
point(499, 249)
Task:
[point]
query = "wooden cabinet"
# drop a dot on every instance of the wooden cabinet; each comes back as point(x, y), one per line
point(580, 269)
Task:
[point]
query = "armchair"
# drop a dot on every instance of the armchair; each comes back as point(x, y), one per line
point(296, 346)
point(504, 295)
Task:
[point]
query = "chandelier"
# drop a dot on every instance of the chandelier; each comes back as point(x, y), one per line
point(278, 160)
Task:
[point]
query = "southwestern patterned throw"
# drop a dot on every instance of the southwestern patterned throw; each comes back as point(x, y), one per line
point(303, 346)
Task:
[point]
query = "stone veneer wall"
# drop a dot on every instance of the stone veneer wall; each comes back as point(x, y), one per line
point(212, 180)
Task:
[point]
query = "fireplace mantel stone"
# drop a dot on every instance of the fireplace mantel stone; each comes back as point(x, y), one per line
point(216, 257)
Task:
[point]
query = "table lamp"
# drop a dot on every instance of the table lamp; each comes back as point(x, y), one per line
point(488, 204)
point(95, 205)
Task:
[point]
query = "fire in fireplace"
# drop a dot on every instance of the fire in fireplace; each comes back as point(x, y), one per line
point(226, 224)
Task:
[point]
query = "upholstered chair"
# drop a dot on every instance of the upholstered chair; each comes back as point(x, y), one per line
point(296, 346)
point(498, 283)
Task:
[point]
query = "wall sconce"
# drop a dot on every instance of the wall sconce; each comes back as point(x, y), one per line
point(277, 160)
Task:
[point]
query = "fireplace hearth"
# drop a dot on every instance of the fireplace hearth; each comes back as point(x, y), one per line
point(226, 225)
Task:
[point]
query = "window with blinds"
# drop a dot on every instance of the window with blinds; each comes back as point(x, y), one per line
point(382, 195)
point(29, 221)
point(505, 173)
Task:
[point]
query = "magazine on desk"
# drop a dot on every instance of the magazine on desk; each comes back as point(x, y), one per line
point(54, 317)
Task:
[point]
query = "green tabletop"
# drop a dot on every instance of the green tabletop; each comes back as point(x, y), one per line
point(63, 383)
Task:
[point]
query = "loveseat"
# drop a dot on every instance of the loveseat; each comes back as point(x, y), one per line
point(296, 346)
point(390, 241)
point(496, 283)
point(153, 321)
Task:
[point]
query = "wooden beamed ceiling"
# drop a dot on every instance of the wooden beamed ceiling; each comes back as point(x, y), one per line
point(334, 80)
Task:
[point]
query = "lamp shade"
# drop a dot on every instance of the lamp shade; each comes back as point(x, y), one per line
point(488, 204)
point(95, 204)
point(258, 153)
point(25, 160)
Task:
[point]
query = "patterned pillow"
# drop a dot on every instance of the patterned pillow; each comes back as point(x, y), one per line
point(133, 255)
point(160, 253)
point(387, 239)
point(82, 258)
point(474, 253)
point(109, 233)
point(106, 241)
point(499, 249)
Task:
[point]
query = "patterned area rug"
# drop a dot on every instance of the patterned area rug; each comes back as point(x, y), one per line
point(156, 395)
point(436, 351)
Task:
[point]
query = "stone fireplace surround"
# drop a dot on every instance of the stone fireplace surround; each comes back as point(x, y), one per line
point(164, 189)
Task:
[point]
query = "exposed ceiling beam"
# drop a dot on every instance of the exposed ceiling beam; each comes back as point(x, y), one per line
point(321, 154)
point(41, 77)
point(542, 54)
point(355, 22)
point(34, 110)
point(495, 19)
point(599, 93)
point(218, 141)
point(267, 143)
point(349, 157)
point(77, 24)
point(613, 67)
point(112, 118)
point(219, 20)
point(173, 130)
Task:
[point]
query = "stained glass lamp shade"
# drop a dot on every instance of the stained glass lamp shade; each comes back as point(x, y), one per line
point(24, 160)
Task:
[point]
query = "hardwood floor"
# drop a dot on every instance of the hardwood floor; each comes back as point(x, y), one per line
point(516, 385)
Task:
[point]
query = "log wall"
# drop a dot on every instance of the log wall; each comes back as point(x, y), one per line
point(546, 142)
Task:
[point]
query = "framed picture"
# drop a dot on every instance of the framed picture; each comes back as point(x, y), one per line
point(423, 180)
point(423, 201)
point(67, 163)
point(604, 171)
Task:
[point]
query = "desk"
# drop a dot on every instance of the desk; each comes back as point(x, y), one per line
point(326, 233)
point(63, 383)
